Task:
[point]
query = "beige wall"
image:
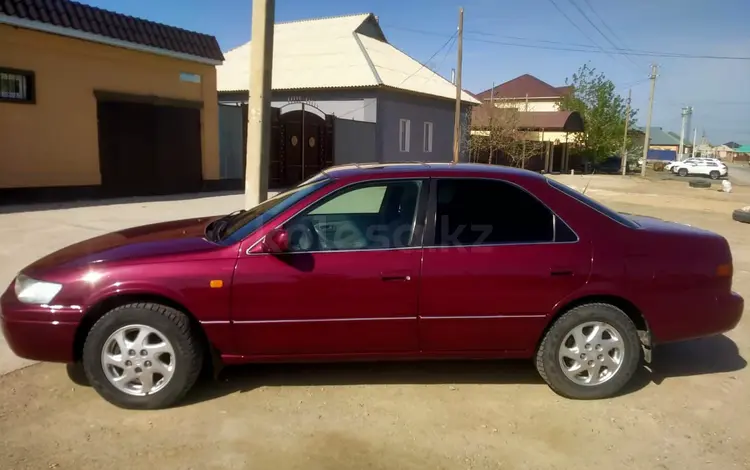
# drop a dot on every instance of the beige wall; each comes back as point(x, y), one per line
point(546, 106)
point(54, 142)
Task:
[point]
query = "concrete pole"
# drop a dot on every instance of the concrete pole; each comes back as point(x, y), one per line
point(647, 141)
point(695, 136)
point(682, 134)
point(259, 104)
point(457, 117)
point(625, 137)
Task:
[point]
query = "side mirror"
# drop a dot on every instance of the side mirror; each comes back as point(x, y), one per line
point(276, 241)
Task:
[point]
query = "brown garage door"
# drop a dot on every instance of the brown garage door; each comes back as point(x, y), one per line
point(147, 149)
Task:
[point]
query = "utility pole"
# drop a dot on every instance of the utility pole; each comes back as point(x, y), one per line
point(259, 103)
point(695, 136)
point(686, 112)
point(647, 141)
point(492, 115)
point(625, 137)
point(523, 150)
point(457, 117)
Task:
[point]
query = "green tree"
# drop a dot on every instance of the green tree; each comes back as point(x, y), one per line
point(603, 112)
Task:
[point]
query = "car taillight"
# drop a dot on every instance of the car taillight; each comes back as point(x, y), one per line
point(724, 270)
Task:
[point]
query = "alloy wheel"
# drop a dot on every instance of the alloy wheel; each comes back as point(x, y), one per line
point(591, 353)
point(138, 360)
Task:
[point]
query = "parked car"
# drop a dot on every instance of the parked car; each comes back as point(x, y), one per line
point(378, 262)
point(710, 167)
point(611, 164)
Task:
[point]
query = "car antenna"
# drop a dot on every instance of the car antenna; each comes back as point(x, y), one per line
point(588, 182)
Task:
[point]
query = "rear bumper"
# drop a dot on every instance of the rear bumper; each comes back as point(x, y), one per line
point(37, 332)
point(722, 315)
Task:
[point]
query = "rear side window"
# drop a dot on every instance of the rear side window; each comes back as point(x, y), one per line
point(487, 212)
point(582, 198)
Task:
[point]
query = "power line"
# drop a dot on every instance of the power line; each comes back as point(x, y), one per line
point(576, 47)
point(586, 17)
point(570, 20)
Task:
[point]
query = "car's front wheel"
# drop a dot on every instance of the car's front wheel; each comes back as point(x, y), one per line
point(714, 175)
point(682, 172)
point(590, 352)
point(142, 356)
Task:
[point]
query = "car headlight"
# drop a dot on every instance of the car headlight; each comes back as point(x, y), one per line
point(32, 291)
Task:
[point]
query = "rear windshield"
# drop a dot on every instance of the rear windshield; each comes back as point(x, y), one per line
point(582, 198)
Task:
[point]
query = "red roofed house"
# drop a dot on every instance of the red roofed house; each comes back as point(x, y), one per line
point(538, 114)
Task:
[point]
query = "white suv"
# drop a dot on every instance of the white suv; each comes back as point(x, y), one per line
point(710, 167)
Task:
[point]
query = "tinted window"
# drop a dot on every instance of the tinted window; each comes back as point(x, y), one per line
point(245, 223)
point(475, 211)
point(580, 197)
point(366, 216)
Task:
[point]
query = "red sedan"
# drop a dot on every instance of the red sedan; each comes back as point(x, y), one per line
point(378, 262)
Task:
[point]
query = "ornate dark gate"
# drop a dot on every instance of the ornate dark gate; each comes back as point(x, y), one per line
point(302, 144)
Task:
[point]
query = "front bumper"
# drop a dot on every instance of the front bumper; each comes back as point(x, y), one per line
point(39, 332)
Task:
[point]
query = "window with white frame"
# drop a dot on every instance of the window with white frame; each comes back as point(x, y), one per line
point(16, 86)
point(404, 135)
point(427, 144)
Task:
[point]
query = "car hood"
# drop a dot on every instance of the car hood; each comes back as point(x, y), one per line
point(154, 240)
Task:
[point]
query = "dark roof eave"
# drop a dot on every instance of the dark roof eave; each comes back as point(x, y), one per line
point(141, 35)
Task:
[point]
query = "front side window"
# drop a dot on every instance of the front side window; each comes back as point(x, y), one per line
point(245, 223)
point(366, 216)
point(486, 212)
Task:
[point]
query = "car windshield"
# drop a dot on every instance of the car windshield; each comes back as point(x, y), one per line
point(245, 223)
point(580, 197)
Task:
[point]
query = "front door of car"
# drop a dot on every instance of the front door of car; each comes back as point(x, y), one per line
point(496, 262)
point(347, 285)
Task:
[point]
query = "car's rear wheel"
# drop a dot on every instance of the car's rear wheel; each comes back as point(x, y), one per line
point(142, 356)
point(682, 172)
point(590, 352)
point(714, 175)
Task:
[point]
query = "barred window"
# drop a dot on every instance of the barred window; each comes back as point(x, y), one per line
point(16, 86)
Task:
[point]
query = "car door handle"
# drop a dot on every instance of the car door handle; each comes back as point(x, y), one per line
point(395, 277)
point(560, 272)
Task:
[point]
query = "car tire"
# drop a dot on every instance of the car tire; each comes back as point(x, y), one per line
point(741, 216)
point(553, 358)
point(714, 175)
point(132, 330)
point(682, 172)
point(699, 184)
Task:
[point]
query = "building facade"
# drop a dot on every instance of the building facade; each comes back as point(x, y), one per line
point(94, 103)
point(341, 94)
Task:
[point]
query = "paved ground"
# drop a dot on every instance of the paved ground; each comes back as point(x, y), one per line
point(688, 411)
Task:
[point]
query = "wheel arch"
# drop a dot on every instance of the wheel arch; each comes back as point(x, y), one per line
point(628, 307)
point(104, 305)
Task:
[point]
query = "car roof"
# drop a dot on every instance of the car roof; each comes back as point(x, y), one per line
point(424, 169)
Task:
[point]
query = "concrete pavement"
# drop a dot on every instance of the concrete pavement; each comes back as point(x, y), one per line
point(31, 231)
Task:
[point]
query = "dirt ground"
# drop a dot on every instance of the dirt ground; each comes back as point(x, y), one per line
point(689, 410)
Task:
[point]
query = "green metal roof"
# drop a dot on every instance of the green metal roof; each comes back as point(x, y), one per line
point(660, 137)
point(743, 149)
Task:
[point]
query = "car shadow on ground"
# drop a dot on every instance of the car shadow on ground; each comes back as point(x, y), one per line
point(698, 357)
point(711, 355)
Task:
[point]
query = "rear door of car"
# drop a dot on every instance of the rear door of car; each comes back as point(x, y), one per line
point(496, 262)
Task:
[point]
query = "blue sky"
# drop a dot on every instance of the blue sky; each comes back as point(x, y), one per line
point(718, 90)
